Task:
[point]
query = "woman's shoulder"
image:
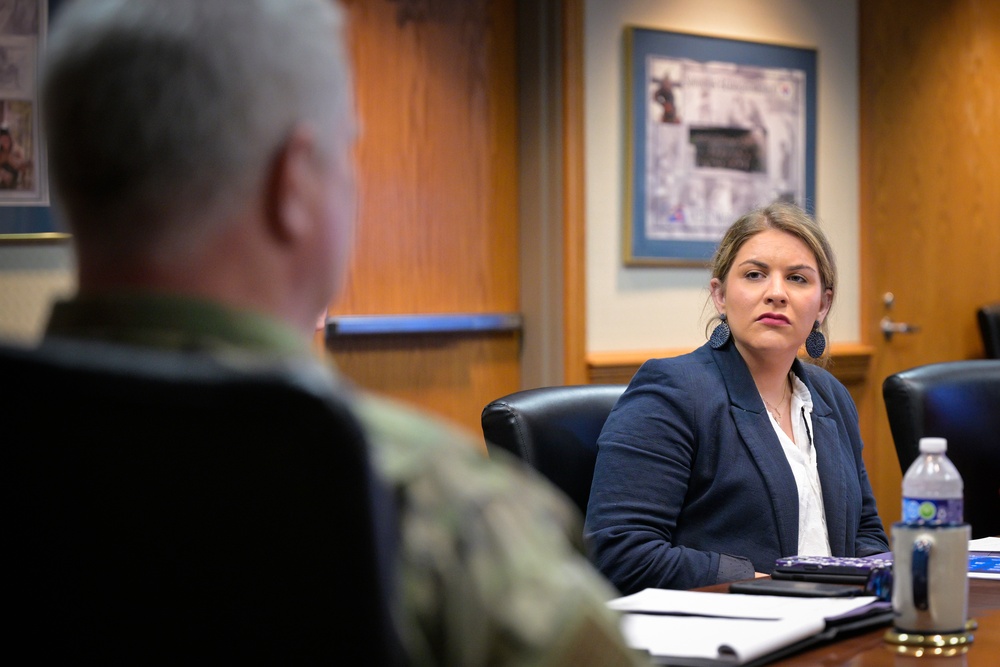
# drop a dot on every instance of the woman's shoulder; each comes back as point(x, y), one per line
point(822, 381)
point(683, 382)
point(696, 366)
point(689, 360)
point(818, 375)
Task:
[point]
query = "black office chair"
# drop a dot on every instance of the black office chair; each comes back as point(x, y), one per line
point(166, 507)
point(988, 318)
point(959, 401)
point(554, 430)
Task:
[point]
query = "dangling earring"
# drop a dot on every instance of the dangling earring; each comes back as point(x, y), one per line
point(815, 342)
point(720, 335)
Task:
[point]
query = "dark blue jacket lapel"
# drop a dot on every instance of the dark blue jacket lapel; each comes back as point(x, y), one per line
point(754, 427)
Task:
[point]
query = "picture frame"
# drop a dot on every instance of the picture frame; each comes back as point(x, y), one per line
point(25, 211)
point(715, 128)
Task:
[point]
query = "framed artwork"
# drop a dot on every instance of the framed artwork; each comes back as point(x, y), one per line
point(716, 127)
point(25, 214)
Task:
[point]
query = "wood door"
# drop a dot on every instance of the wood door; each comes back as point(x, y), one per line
point(930, 192)
point(438, 200)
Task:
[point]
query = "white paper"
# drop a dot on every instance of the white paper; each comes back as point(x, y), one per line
point(697, 627)
point(985, 544)
point(733, 605)
point(692, 639)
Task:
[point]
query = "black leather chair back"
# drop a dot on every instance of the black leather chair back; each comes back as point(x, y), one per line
point(554, 430)
point(959, 401)
point(168, 507)
point(989, 328)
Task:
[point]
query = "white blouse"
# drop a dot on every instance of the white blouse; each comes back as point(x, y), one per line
point(814, 539)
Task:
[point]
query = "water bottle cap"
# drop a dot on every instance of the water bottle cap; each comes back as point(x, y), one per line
point(933, 445)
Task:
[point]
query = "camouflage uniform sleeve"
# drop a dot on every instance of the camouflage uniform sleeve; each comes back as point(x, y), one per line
point(492, 567)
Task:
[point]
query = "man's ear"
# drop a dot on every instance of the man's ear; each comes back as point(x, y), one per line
point(294, 184)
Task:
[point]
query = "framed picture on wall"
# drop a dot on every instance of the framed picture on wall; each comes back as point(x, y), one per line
point(25, 214)
point(716, 127)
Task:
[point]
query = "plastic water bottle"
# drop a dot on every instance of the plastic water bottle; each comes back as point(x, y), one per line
point(932, 486)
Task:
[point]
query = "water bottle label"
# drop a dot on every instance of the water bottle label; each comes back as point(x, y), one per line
point(932, 510)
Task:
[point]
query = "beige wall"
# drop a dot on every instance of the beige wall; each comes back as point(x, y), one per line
point(654, 308)
point(31, 276)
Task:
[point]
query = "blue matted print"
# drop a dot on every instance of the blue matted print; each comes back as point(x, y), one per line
point(25, 213)
point(716, 127)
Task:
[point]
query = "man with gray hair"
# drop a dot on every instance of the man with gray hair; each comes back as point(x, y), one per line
point(209, 188)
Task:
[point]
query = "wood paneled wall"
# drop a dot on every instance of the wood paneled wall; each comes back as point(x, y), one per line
point(930, 192)
point(436, 94)
point(438, 199)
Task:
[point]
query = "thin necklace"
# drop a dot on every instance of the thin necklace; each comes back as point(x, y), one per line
point(773, 410)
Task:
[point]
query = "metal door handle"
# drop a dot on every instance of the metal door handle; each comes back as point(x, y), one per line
point(889, 327)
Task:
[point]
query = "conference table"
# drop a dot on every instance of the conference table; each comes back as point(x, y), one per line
point(869, 649)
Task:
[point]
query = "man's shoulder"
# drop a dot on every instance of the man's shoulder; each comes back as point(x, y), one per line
point(487, 534)
point(388, 418)
point(412, 447)
point(406, 437)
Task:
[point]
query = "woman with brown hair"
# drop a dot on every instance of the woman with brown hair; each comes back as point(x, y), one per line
point(715, 463)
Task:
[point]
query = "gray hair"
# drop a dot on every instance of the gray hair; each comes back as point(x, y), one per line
point(160, 114)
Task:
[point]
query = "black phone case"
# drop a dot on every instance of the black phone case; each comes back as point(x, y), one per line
point(793, 588)
point(828, 569)
point(820, 577)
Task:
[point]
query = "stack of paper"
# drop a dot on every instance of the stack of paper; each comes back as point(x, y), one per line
point(984, 558)
point(699, 629)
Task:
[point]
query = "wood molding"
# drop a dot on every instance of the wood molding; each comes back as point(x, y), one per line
point(574, 221)
point(849, 362)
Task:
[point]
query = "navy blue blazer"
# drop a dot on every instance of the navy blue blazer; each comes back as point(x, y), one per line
point(692, 487)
